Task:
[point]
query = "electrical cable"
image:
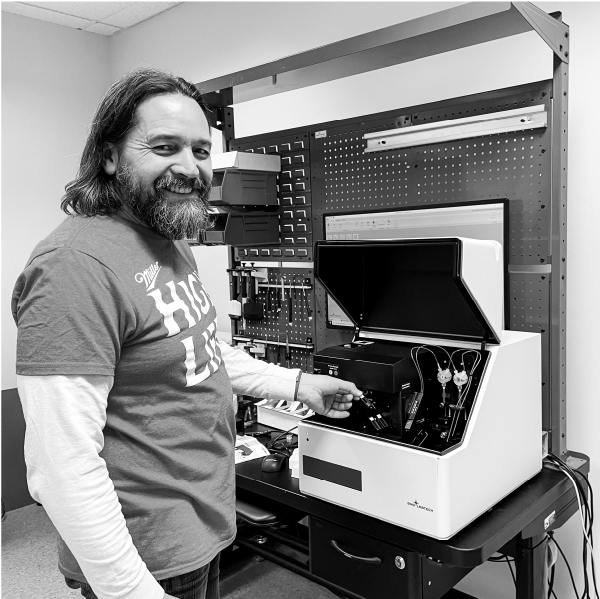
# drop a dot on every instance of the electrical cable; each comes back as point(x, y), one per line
point(503, 558)
point(415, 359)
point(514, 576)
point(272, 445)
point(588, 516)
point(546, 538)
point(462, 394)
point(414, 354)
point(584, 525)
point(587, 519)
point(551, 534)
point(551, 581)
point(563, 465)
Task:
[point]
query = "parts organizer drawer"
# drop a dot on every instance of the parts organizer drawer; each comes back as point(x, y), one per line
point(362, 564)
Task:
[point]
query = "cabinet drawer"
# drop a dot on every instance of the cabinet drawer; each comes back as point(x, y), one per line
point(362, 564)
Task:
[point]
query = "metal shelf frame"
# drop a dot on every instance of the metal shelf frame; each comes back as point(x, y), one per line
point(459, 27)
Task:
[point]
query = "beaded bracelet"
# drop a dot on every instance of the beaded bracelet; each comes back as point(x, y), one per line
point(297, 386)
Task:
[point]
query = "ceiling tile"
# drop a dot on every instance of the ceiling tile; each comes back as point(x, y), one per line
point(94, 11)
point(102, 29)
point(136, 12)
point(25, 10)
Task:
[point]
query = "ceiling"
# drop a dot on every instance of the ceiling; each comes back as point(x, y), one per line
point(104, 18)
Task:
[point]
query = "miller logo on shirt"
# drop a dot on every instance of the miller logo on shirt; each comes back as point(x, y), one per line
point(148, 276)
point(189, 297)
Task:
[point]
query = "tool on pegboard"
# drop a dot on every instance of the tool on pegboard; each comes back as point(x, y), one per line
point(290, 304)
point(279, 298)
point(253, 308)
point(309, 312)
point(288, 354)
point(235, 307)
point(243, 297)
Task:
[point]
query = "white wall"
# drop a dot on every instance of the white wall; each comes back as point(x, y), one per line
point(204, 40)
point(52, 80)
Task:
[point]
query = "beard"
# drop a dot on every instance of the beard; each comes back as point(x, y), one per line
point(174, 219)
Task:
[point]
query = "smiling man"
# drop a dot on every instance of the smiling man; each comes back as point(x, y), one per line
point(126, 390)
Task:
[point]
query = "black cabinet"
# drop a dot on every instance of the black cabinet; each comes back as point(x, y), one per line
point(374, 569)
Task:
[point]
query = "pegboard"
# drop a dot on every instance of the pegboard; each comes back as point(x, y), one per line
point(509, 165)
point(280, 326)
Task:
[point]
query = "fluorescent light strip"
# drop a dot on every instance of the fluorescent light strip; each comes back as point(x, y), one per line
point(520, 119)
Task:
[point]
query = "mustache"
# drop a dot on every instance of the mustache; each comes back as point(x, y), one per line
point(196, 183)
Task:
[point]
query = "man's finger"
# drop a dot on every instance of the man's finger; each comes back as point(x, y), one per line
point(337, 414)
point(350, 389)
point(343, 404)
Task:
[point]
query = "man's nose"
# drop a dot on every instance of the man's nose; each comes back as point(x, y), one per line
point(186, 164)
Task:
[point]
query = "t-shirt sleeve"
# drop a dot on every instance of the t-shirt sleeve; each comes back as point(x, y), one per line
point(71, 315)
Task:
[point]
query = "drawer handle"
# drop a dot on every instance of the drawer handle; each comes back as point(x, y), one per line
point(368, 560)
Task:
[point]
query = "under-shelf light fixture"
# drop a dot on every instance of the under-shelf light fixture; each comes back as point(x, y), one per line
point(507, 121)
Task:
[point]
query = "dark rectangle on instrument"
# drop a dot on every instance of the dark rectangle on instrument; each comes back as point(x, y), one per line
point(334, 473)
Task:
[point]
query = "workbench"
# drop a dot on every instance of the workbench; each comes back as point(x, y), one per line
point(373, 559)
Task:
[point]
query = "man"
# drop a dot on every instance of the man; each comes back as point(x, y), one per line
point(126, 391)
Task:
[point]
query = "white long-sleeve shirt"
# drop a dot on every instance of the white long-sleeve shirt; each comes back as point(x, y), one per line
point(65, 417)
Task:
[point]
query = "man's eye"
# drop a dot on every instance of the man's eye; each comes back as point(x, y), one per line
point(202, 152)
point(163, 149)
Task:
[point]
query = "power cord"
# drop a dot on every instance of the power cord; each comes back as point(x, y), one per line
point(503, 558)
point(283, 447)
point(586, 512)
point(551, 535)
point(551, 581)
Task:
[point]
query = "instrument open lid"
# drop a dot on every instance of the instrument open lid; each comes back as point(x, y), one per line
point(448, 288)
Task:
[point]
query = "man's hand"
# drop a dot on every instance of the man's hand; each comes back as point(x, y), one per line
point(327, 395)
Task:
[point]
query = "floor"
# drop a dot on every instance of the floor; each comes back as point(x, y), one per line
point(29, 568)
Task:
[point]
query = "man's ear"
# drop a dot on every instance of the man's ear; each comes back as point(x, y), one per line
point(110, 158)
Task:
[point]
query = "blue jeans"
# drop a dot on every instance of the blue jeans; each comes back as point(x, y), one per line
point(202, 583)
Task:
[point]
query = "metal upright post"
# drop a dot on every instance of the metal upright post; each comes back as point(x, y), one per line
point(556, 34)
point(558, 297)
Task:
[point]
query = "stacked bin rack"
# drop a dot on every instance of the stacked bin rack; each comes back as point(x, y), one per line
point(293, 196)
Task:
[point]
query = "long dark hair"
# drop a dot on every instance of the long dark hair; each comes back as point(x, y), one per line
point(92, 191)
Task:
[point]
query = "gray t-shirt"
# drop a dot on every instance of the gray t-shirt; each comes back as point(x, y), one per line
point(104, 296)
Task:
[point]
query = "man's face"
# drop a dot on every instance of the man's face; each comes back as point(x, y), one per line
point(163, 169)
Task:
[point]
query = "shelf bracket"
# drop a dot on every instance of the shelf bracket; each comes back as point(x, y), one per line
point(549, 27)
